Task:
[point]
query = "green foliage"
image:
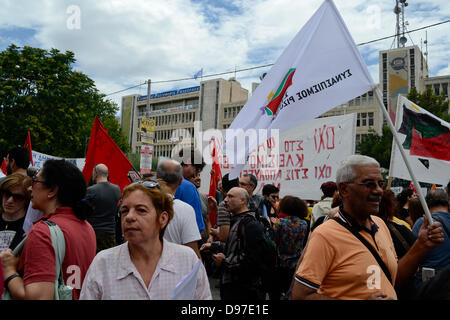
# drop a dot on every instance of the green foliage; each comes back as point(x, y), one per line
point(436, 104)
point(135, 159)
point(40, 92)
point(379, 147)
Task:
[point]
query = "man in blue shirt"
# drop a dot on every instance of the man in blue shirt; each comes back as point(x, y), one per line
point(192, 163)
point(438, 203)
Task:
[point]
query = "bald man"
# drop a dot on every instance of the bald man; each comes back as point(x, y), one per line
point(242, 254)
point(182, 228)
point(104, 197)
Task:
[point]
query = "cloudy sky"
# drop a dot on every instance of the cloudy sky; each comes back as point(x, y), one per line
point(121, 43)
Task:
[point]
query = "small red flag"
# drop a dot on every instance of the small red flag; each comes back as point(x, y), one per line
point(216, 176)
point(103, 149)
point(28, 146)
point(411, 186)
point(4, 166)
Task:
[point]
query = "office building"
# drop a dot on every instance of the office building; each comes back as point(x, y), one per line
point(214, 103)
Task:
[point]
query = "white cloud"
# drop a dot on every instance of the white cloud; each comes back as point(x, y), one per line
point(123, 43)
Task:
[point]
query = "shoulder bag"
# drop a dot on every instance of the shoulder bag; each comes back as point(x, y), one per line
point(62, 292)
point(368, 245)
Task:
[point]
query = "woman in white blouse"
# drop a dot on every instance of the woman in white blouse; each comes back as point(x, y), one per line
point(146, 266)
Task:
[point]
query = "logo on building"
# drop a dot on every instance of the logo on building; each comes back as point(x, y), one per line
point(398, 63)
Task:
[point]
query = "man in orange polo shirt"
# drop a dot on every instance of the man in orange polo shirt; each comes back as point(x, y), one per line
point(337, 265)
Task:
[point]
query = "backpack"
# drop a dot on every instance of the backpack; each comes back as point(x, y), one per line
point(269, 251)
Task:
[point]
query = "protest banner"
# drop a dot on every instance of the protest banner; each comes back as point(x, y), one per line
point(39, 159)
point(305, 157)
point(147, 131)
point(146, 158)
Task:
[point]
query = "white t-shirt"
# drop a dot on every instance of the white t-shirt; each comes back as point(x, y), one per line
point(183, 227)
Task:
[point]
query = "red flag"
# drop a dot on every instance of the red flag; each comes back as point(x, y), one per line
point(103, 149)
point(216, 176)
point(27, 145)
point(4, 166)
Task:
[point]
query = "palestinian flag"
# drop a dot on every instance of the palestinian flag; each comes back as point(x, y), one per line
point(426, 135)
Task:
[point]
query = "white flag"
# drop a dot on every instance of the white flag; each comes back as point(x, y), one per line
point(425, 139)
point(320, 69)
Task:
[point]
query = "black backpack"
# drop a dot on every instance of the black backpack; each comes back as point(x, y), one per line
point(269, 251)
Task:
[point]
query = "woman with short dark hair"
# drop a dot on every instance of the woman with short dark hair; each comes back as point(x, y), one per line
point(58, 190)
point(290, 233)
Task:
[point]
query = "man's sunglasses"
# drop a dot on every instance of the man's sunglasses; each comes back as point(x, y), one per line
point(16, 197)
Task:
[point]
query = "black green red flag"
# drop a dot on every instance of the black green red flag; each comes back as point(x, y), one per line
point(425, 140)
point(426, 136)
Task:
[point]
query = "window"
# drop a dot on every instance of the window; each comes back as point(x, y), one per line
point(370, 97)
point(445, 89)
point(357, 143)
point(436, 89)
point(358, 120)
point(412, 68)
point(370, 118)
point(363, 119)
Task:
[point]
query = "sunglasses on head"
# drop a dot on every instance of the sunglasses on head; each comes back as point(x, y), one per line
point(148, 184)
point(16, 196)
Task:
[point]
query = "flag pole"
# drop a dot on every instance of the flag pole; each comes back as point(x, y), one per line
point(402, 152)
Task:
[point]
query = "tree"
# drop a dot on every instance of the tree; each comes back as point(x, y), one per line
point(40, 92)
point(379, 147)
point(436, 104)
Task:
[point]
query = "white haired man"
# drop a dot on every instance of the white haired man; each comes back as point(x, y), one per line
point(352, 256)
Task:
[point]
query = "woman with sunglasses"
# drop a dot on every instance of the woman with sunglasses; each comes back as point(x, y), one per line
point(15, 199)
point(58, 190)
point(146, 266)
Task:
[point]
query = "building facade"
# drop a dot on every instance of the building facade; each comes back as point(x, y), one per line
point(400, 69)
point(214, 103)
point(369, 117)
point(438, 84)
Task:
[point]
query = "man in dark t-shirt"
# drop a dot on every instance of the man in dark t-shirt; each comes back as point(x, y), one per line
point(104, 197)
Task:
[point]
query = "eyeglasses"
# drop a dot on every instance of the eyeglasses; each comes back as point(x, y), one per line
point(371, 184)
point(34, 180)
point(16, 197)
point(274, 197)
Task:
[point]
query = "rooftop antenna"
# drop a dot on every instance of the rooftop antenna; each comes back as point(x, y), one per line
point(400, 29)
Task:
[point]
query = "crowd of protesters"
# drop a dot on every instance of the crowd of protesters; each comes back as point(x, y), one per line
point(359, 241)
